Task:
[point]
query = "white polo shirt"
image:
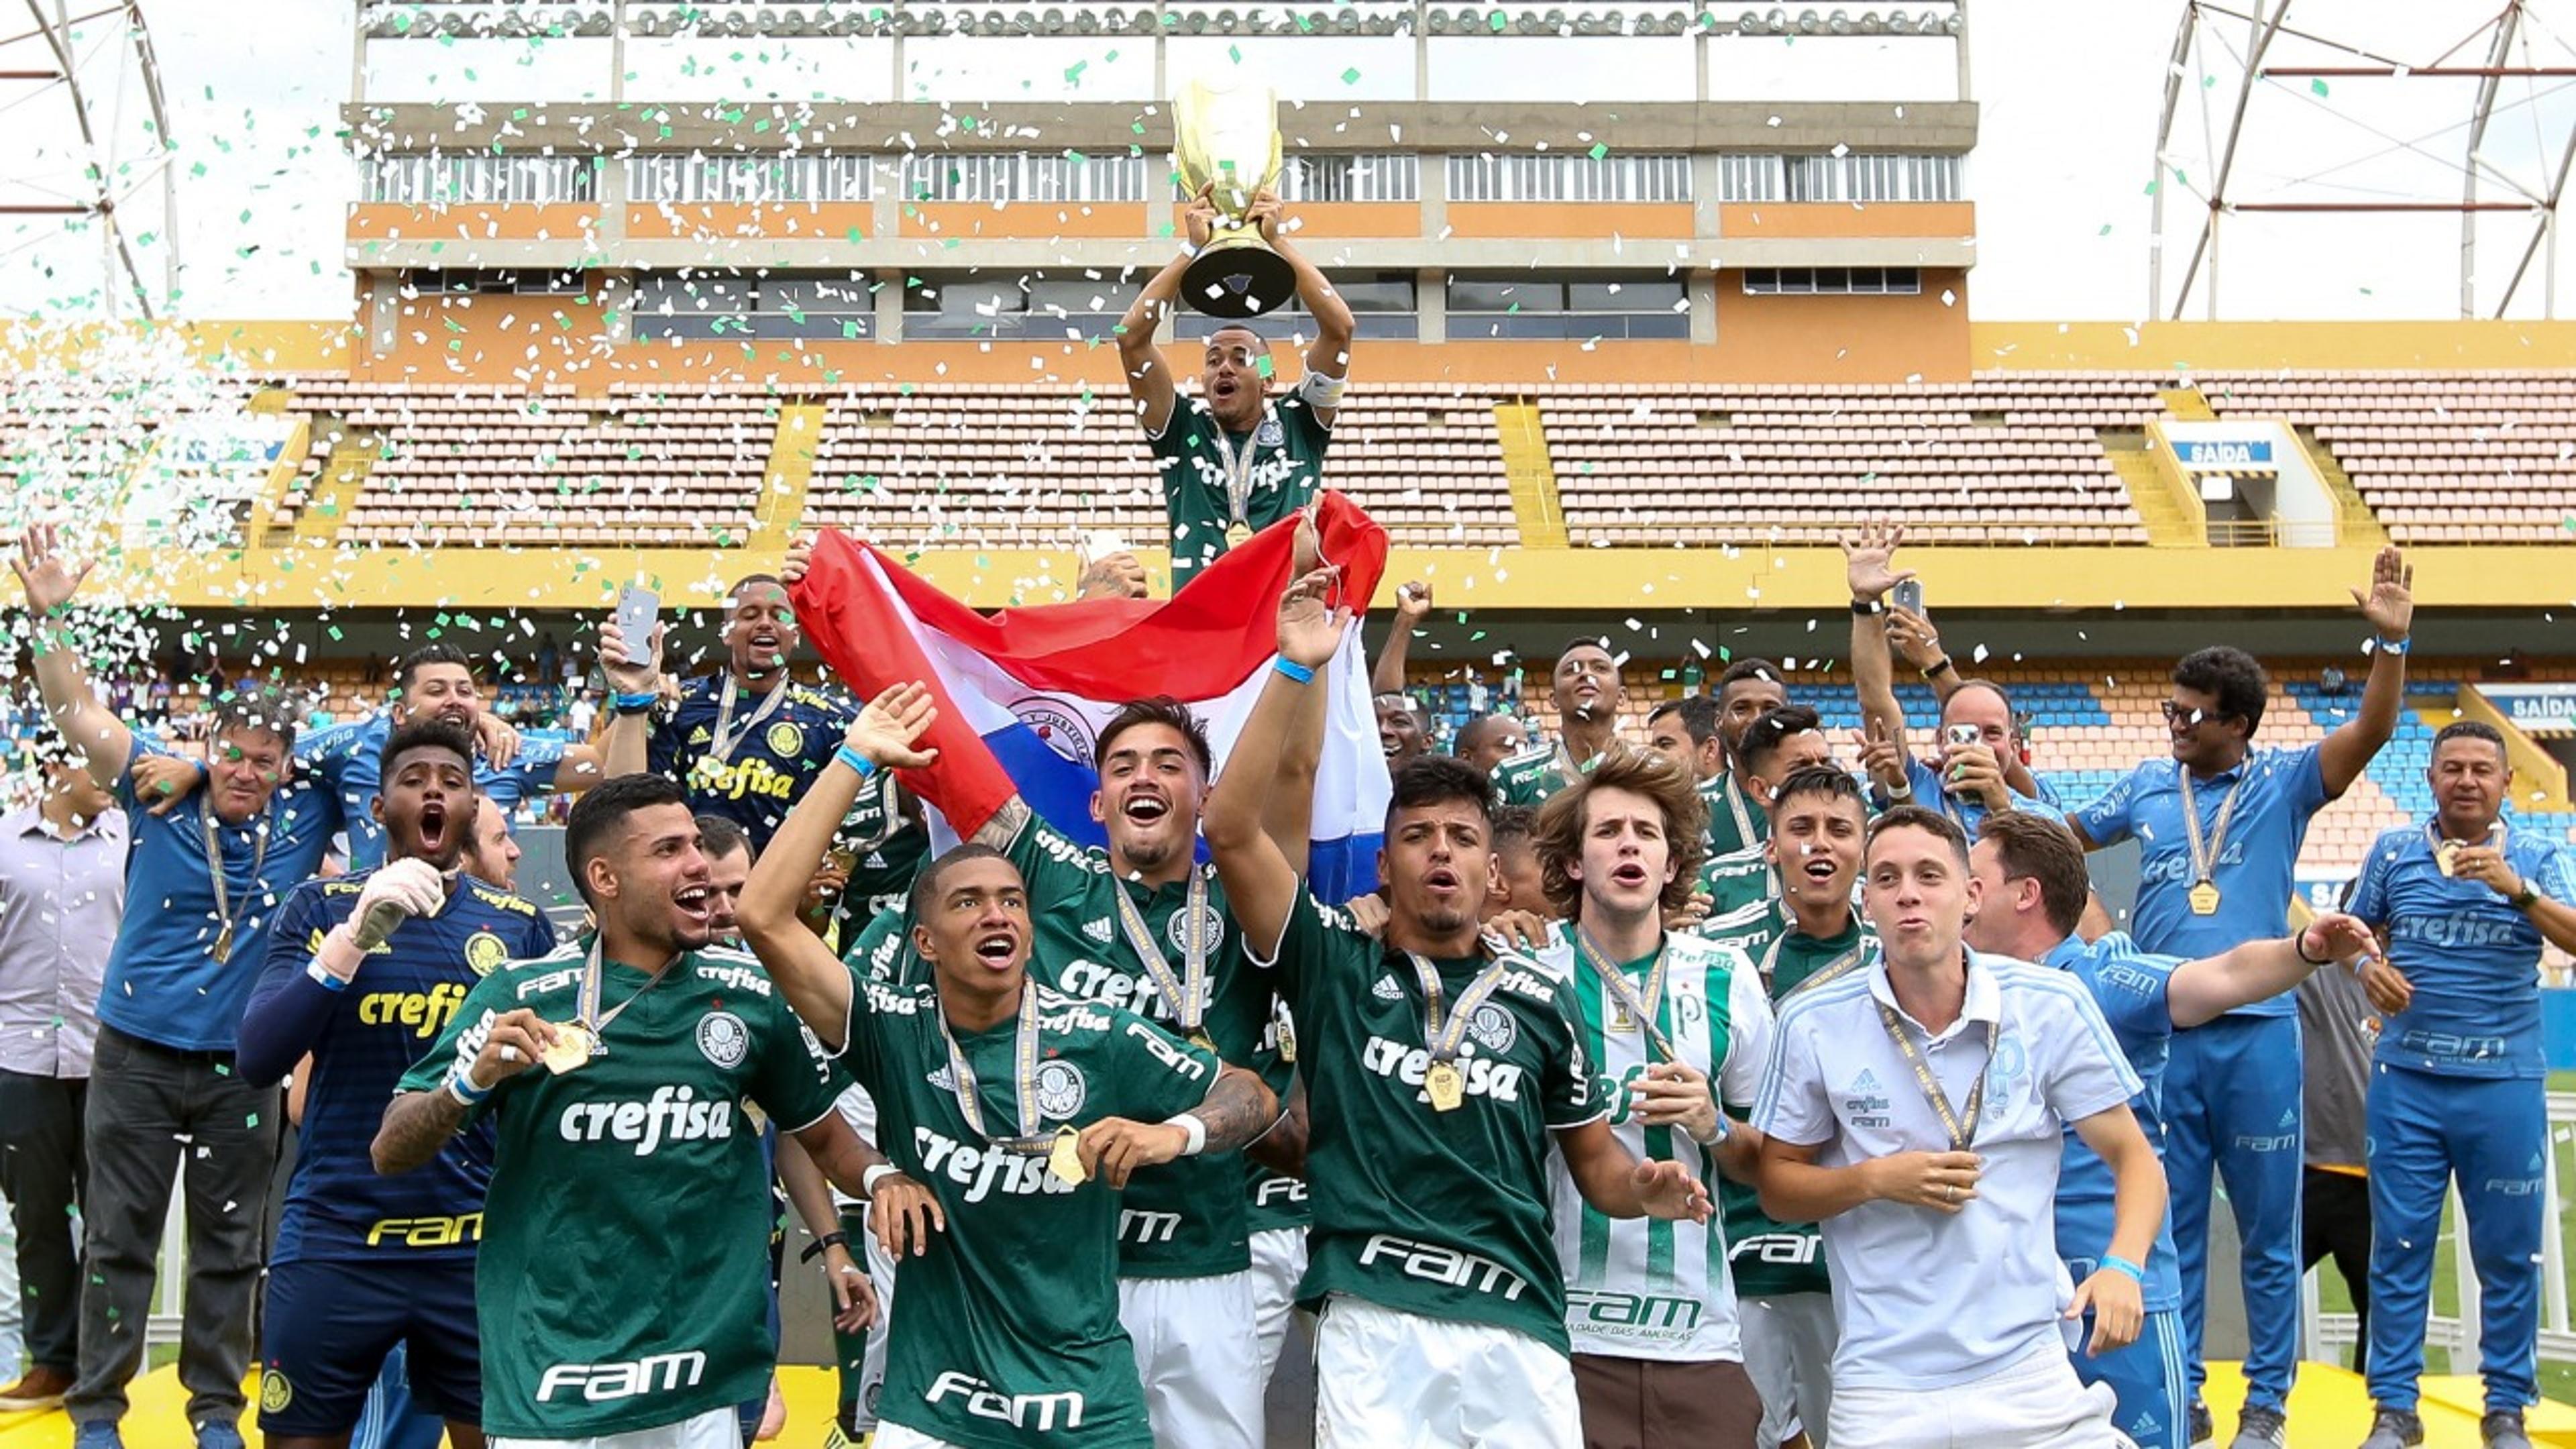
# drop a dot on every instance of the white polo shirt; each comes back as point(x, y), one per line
point(1928, 1299)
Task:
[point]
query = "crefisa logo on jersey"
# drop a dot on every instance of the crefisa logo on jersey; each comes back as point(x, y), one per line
point(1059, 724)
point(1061, 1090)
point(724, 1039)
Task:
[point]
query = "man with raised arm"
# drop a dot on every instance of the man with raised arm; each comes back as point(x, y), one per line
point(362, 972)
point(1006, 1097)
point(201, 891)
point(1438, 1072)
point(2030, 875)
point(620, 1073)
point(2219, 823)
point(1670, 1024)
point(1914, 1107)
point(1235, 460)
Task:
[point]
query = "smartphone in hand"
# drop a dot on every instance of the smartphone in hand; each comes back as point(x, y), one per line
point(638, 609)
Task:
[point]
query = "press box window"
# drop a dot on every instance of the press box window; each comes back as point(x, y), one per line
point(1832, 281)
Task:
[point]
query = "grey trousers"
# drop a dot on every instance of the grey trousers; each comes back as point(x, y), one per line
point(40, 1172)
point(151, 1111)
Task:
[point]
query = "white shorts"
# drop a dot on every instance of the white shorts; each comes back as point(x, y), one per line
point(872, 1365)
point(1278, 1261)
point(896, 1436)
point(2037, 1403)
point(714, 1429)
point(1391, 1380)
point(1197, 1356)
point(1789, 1350)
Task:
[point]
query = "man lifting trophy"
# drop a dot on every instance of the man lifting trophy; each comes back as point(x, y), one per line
point(1239, 456)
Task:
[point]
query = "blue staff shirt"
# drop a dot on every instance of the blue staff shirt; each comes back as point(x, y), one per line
point(768, 771)
point(2257, 867)
point(2129, 985)
point(164, 984)
point(2473, 959)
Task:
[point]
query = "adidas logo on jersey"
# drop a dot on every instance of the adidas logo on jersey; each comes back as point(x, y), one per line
point(1387, 989)
point(943, 1077)
point(1867, 1081)
point(1097, 930)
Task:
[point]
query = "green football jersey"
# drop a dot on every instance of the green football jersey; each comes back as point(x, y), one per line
point(885, 848)
point(624, 1276)
point(1443, 1214)
point(1006, 1333)
point(1773, 1258)
point(1283, 456)
point(1184, 1219)
point(1736, 821)
point(1276, 1200)
point(1533, 777)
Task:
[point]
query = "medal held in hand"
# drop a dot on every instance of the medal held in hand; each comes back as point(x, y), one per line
point(571, 1050)
point(1064, 1158)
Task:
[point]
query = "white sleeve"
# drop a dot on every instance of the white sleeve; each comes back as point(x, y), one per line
point(1748, 1038)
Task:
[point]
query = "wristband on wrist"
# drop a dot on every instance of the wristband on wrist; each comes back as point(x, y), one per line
point(2113, 1262)
point(321, 973)
point(822, 1245)
point(1866, 607)
point(460, 1085)
point(2299, 943)
point(1295, 670)
point(869, 1179)
point(1194, 1129)
point(640, 702)
point(2397, 647)
point(855, 761)
point(1725, 1129)
point(1939, 667)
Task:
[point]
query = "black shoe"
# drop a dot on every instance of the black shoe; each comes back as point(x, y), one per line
point(2199, 1430)
point(2394, 1429)
point(2502, 1429)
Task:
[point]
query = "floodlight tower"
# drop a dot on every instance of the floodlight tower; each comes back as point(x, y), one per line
point(2250, 38)
point(95, 68)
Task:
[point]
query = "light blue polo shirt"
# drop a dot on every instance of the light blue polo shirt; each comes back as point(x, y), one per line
point(163, 983)
point(1967, 810)
point(2473, 959)
point(1929, 1299)
point(349, 761)
point(2257, 867)
point(2130, 987)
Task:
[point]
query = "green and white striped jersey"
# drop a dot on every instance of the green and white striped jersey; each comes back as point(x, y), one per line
point(1643, 1287)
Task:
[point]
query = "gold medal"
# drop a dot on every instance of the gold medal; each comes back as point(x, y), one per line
point(223, 949)
point(1287, 1042)
point(571, 1050)
point(2446, 857)
point(1446, 1086)
point(1204, 1042)
point(1237, 534)
point(1064, 1159)
point(2204, 898)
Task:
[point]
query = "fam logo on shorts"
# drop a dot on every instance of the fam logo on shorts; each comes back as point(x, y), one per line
point(1058, 724)
point(275, 1393)
point(1061, 1090)
point(1209, 925)
point(724, 1039)
point(1494, 1027)
point(785, 740)
point(484, 953)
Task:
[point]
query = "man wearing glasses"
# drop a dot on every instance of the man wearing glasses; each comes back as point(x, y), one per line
point(1234, 459)
point(2219, 826)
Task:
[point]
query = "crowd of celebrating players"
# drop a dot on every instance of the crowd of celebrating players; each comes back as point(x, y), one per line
point(1723, 1085)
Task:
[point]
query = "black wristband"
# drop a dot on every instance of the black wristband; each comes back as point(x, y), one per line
point(2299, 943)
point(822, 1245)
point(1939, 667)
point(1865, 607)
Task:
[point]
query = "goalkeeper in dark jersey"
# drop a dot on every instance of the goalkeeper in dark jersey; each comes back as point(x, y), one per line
point(362, 973)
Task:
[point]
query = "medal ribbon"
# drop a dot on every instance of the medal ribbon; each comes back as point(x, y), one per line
point(586, 1005)
point(215, 867)
point(2434, 837)
point(720, 743)
point(2204, 856)
point(1840, 966)
point(1185, 993)
point(1615, 980)
point(1962, 1126)
point(1024, 1063)
point(1238, 470)
point(1440, 1032)
point(1735, 806)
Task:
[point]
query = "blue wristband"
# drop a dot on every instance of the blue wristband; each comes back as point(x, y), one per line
point(2113, 1262)
point(322, 974)
point(633, 703)
point(855, 761)
point(1296, 671)
point(464, 1090)
point(2398, 647)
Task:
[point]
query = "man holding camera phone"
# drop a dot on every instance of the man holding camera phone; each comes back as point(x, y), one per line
point(1975, 772)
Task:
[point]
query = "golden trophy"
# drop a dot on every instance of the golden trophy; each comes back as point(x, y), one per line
point(1225, 141)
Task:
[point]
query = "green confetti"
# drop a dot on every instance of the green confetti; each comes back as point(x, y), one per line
point(1351, 77)
point(1599, 150)
point(2317, 86)
point(1073, 72)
